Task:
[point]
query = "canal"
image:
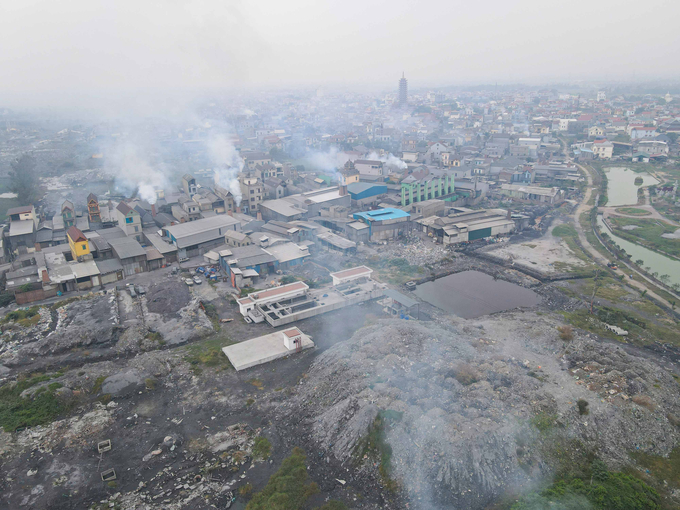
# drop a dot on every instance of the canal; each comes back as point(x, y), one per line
point(471, 294)
point(657, 262)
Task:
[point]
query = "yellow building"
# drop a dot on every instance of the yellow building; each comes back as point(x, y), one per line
point(77, 242)
point(349, 174)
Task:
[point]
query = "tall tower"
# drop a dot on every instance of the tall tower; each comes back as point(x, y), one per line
point(403, 90)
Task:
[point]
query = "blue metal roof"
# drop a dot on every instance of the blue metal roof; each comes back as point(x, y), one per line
point(389, 213)
point(359, 190)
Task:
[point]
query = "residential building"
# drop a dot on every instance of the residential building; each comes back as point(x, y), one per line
point(369, 169)
point(93, 209)
point(653, 148)
point(349, 174)
point(79, 244)
point(189, 185)
point(129, 221)
point(603, 149)
point(68, 213)
point(252, 190)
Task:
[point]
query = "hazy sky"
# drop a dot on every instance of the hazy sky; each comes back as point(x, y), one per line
point(73, 48)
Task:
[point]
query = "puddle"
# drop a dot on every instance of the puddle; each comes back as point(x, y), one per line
point(472, 294)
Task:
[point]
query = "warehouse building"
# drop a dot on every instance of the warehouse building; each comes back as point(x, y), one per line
point(467, 226)
point(198, 237)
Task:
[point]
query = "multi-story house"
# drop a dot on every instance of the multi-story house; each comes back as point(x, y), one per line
point(129, 221)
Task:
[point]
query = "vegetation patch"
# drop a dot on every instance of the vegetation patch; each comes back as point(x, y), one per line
point(633, 211)
point(21, 315)
point(544, 421)
point(662, 468)
point(208, 353)
point(288, 488)
point(43, 407)
point(374, 445)
point(599, 489)
point(648, 234)
point(262, 448)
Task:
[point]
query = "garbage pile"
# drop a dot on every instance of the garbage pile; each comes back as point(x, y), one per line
point(452, 403)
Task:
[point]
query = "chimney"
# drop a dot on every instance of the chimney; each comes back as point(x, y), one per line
point(153, 210)
point(343, 190)
point(259, 215)
point(238, 209)
point(509, 214)
point(45, 276)
point(230, 212)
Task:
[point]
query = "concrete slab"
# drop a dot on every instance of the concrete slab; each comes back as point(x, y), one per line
point(261, 350)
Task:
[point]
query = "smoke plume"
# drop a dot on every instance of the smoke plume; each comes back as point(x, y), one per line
point(133, 171)
point(227, 164)
point(389, 161)
point(327, 162)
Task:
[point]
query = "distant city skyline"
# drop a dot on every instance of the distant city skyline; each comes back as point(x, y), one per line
point(55, 49)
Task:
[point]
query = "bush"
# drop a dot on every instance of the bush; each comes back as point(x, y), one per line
point(582, 407)
point(287, 489)
point(262, 448)
point(286, 279)
point(6, 299)
point(566, 333)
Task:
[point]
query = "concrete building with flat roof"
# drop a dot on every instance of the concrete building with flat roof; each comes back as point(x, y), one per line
point(264, 349)
point(348, 275)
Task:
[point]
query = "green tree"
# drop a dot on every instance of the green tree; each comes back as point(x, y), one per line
point(24, 179)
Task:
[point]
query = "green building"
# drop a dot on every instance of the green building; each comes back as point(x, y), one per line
point(429, 187)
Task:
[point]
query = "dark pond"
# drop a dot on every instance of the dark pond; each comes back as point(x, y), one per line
point(471, 294)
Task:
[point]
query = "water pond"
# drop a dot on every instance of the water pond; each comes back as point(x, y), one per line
point(471, 294)
point(621, 187)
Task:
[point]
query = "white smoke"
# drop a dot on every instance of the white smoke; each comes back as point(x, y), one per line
point(389, 161)
point(227, 164)
point(133, 172)
point(328, 162)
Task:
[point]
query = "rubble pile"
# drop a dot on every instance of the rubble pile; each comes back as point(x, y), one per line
point(416, 251)
point(459, 402)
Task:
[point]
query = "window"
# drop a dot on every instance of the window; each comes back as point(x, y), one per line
point(84, 247)
point(136, 229)
point(128, 220)
point(252, 191)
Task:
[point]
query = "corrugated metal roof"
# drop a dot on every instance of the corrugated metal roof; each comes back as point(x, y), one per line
point(109, 266)
point(400, 298)
point(127, 247)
